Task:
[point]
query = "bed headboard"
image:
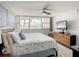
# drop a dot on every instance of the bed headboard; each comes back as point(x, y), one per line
point(7, 29)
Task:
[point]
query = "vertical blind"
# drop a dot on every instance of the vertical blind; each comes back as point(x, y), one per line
point(28, 22)
point(6, 17)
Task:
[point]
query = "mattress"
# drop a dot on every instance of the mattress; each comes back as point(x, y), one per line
point(34, 42)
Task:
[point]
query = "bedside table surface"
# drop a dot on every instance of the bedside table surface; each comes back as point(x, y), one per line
point(76, 47)
point(75, 50)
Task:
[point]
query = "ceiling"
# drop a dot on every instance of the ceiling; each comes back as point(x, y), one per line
point(35, 7)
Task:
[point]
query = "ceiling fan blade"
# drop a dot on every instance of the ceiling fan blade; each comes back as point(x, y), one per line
point(48, 13)
point(46, 9)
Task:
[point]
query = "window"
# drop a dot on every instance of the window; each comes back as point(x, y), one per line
point(18, 22)
point(24, 22)
point(46, 22)
point(35, 23)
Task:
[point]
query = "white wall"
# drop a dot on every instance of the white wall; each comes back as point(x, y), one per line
point(73, 21)
point(6, 17)
point(11, 19)
point(2, 16)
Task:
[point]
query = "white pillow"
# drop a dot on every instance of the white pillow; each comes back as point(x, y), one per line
point(17, 31)
point(15, 37)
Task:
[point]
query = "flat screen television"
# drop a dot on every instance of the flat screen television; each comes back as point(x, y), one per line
point(62, 25)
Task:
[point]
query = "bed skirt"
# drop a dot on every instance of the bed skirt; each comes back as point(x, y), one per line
point(46, 53)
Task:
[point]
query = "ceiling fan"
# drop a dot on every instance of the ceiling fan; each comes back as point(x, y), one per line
point(46, 10)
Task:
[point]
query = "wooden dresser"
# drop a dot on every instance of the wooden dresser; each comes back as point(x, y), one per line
point(68, 40)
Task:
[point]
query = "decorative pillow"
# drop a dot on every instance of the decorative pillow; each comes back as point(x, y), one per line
point(5, 40)
point(10, 40)
point(16, 37)
point(22, 36)
point(6, 43)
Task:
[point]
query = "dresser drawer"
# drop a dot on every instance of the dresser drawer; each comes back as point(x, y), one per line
point(66, 42)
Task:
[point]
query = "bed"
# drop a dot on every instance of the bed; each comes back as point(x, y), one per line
point(35, 45)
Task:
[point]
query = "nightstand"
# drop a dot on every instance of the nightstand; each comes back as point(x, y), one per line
point(5, 55)
point(75, 51)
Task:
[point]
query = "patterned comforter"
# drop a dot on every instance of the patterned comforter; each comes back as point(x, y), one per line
point(34, 42)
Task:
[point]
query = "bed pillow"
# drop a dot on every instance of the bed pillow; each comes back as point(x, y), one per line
point(17, 31)
point(10, 40)
point(22, 36)
point(16, 37)
point(6, 43)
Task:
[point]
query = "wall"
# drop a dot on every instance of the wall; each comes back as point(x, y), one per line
point(6, 17)
point(2, 16)
point(11, 19)
point(72, 18)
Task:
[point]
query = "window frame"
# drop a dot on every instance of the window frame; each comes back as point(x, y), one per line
point(29, 22)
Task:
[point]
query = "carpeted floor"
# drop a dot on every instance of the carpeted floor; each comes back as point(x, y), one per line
point(64, 51)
